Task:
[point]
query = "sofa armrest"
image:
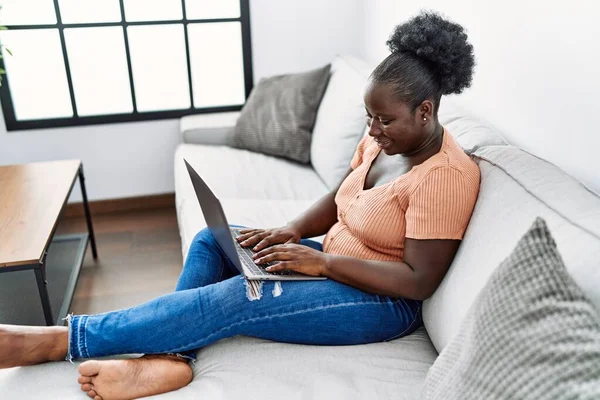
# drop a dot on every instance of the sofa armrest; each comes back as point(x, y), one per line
point(213, 129)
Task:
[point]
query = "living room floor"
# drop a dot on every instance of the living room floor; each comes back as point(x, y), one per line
point(139, 258)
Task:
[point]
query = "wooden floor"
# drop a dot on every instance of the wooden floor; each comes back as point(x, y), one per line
point(139, 258)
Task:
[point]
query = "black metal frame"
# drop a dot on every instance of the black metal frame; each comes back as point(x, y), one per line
point(13, 124)
point(40, 268)
point(83, 240)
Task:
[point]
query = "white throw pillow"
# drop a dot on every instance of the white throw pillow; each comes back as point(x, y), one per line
point(341, 119)
point(469, 132)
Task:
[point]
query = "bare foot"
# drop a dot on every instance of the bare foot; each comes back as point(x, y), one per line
point(28, 345)
point(134, 378)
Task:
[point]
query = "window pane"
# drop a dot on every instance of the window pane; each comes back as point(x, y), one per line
point(36, 73)
point(159, 67)
point(99, 70)
point(207, 9)
point(27, 12)
point(144, 10)
point(217, 64)
point(84, 11)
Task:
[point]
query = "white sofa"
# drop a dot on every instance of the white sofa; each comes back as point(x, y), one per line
point(262, 191)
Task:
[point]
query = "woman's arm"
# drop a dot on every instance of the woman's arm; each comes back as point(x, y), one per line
point(424, 266)
point(315, 221)
point(319, 218)
point(416, 277)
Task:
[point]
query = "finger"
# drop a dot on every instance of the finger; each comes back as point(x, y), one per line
point(241, 238)
point(282, 265)
point(268, 250)
point(273, 257)
point(246, 235)
point(266, 242)
point(251, 241)
point(264, 252)
point(248, 230)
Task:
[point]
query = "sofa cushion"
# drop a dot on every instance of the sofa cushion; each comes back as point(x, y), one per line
point(531, 333)
point(516, 187)
point(279, 116)
point(340, 120)
point(243, 174)
point(245, 212)
point(255, 189)
point(248, 368)
point(469, 132)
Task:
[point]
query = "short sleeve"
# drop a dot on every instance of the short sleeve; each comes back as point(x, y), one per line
point(441, 205)
point(357, 159)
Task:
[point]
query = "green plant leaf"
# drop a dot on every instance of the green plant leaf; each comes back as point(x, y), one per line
point(8, 51)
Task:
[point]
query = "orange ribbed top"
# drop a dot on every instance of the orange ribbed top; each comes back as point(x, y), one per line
point(434, 200)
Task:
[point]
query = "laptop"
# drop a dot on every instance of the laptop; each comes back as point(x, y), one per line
point(240, 256)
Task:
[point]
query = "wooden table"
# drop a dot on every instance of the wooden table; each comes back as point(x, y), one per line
point(32, 197)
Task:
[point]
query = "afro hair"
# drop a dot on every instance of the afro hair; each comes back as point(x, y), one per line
point(442, 44)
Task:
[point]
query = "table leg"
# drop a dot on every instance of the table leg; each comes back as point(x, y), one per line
point(40, 276)
point(88, 216)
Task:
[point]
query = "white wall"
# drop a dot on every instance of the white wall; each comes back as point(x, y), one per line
point(120, 160)
point(296, 35)
point(537, 76)
point(134, 159)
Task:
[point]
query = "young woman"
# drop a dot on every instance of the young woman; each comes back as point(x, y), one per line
point(393, 227)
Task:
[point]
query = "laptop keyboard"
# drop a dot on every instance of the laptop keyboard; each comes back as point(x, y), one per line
point(246, 254)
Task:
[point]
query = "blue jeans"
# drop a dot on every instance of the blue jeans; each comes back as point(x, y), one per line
point(211, 303)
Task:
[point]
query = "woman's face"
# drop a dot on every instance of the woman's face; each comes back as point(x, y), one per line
point(394, 127)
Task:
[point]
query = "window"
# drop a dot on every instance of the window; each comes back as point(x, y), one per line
point(79, 62)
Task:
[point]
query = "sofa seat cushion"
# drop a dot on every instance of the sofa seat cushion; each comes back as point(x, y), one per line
point(516, 188)
point(253, 213)
point(242, 174)
point(269, 193)
point(248, 368)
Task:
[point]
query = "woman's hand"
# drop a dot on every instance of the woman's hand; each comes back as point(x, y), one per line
point(262, 238)
point(294, 257)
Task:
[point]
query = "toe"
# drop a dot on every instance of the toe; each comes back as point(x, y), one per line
point(89, 368)
point(92, 394)
point(86, 387)
point(84, 379)
point(97, 398)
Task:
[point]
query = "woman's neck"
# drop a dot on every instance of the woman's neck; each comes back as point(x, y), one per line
point(430, 146)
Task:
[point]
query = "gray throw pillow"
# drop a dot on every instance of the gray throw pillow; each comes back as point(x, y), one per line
point(279, 115)
point(531, 334)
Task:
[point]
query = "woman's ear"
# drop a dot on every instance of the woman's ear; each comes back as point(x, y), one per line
point(425, 112)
